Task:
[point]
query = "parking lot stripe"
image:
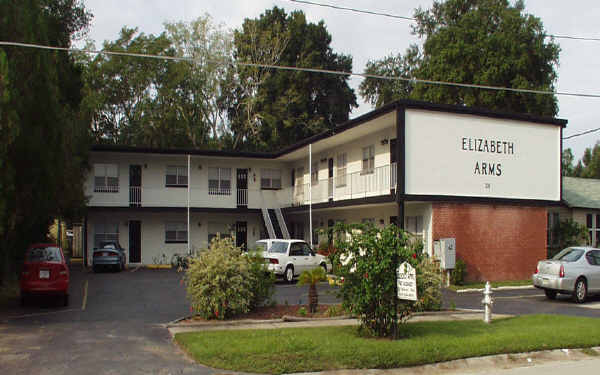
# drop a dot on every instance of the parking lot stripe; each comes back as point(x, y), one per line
point(595, 305)
point(37, 314)
point(84, 302)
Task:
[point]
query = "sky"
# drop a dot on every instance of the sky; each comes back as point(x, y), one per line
point(368, 37)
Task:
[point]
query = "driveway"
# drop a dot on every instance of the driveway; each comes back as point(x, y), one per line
point(113, 328)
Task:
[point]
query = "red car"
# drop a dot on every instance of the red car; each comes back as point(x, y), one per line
point(45, 272)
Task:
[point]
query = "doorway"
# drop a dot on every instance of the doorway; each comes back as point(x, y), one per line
point(135, 186)
point(241, 235)
point(135, 241)
point(242, 188)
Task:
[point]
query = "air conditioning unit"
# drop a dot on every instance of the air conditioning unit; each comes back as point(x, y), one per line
point(447, 249)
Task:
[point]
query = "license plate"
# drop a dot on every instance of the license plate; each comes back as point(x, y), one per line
point(44, 274)
point(545, 281)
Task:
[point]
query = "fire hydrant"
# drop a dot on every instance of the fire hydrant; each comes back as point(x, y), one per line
point(487, 303)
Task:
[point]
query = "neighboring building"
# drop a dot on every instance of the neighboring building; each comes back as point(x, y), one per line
point(581, 197)
point(484, 178)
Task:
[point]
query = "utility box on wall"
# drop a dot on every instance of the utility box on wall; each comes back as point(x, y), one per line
point(447, 249)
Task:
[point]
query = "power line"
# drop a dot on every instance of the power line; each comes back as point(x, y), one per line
point(414, 19)
point(582, 133)
point(295, 68)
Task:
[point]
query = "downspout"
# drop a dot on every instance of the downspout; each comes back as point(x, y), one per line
point(310, 225)
point(189, 182)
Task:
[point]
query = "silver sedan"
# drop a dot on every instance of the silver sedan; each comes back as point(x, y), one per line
point(574, 271)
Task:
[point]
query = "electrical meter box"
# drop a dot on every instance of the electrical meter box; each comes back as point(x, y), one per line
point(447, 253)
point(437, 252)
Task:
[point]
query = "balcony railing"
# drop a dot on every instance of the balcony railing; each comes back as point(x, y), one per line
point(381, 181)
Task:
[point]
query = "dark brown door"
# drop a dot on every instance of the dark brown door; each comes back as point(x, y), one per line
point(330, 179)
point(135, 241)
point(135, 186)
point(242, 188)
point(241, 235)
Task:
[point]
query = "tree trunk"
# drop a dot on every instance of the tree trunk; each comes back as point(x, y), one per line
point(313, 298)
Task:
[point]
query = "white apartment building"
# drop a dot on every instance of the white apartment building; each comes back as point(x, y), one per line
point(419, 165)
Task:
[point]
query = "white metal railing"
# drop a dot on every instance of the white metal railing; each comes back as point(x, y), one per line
point(135, 195)
point(282, 224)
point(268, 222)
point(106, 189)
point(242, 197)
point(379, 181)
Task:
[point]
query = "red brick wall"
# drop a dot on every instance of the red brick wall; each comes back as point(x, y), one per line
point(497, 242)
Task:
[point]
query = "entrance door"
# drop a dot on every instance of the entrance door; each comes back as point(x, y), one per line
point(241, 235)
point(330, 179)
point(135, 186)
point(135, 241)
point(242, 188)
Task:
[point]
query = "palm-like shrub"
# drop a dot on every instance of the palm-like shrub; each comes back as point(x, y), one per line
point(311, 278)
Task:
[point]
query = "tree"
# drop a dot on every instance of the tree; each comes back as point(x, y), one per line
point(286, 106)
point(567, 163)
point(484, 42)
point(311, 278)
point(44, 136)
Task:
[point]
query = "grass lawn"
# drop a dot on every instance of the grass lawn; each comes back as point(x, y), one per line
point(278, 351)
point(495, 284)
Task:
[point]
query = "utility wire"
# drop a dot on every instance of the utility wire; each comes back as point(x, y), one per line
point(295, 68)
point(582, 133)
point(414, 19)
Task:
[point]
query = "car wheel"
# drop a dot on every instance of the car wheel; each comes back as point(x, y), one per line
point(551, 294)
point(580, 292)
point(66, 300)
point(289, 274)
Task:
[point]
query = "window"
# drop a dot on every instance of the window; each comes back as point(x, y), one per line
point(106, 232)
point(106, 178)
point(593, 230)
point(219, 181)
point(176, 232)
point(270, 178)
point(218, 229)
point(552, 229)
point(314, 173)
point(342, 162)
point(176, 176)
point(414, 224)
point(299, 185)
point(368, 160)
point(368, 221)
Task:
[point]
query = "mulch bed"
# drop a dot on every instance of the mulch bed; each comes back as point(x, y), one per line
point(277, 312)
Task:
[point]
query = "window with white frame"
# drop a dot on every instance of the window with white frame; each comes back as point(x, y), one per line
point(368, 221)
point(299, 183)
point(314, 173)
point(219, 181)
point(105, 231)
point(106, 178)
point(414, 225)
point(176, 232)
point(270, 178)
point(368, 160)
point(176, 176)
point(222, 230)
point(593, 230)
point(342, 162)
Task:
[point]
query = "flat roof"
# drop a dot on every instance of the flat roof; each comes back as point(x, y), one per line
point(400, 104)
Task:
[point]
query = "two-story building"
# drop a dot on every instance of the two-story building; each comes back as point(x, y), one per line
point(484, 178)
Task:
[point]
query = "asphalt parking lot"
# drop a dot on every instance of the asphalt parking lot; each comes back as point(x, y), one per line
point(114, 323)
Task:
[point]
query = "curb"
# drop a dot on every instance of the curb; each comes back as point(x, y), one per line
point(158, 266)
point(498, 288)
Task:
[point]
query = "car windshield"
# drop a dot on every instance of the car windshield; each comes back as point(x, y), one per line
point(278, 247)
point(569, 255)
point(43, 254)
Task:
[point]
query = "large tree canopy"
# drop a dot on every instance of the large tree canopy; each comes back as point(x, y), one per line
point(485, 42)
point(160, 103)
point(281, 107)
point(44, 138)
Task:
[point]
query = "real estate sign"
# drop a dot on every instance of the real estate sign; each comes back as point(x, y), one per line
point(406, 280)
point(450, 154)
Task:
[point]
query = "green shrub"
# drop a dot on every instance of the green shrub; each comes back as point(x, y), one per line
point(334, 310)
point(222, 283)
point(368, 258)
point(262, 281)
point(459, 273)
point(429, 286)
point(302, 311)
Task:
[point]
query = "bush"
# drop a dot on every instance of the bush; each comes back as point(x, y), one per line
point(429, 286)
point(368, 259)
point(263, 283)
point(222, 283)
point(569, 233)
point(459, 273)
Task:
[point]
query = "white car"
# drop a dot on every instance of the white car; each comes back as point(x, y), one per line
point(289, 258)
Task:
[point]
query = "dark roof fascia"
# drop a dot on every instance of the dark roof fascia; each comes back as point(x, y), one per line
point(161, 209)
point(400, 104)
point(415, 104)
point(179, 151)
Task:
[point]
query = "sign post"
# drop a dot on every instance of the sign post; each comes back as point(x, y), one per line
point(406, 282)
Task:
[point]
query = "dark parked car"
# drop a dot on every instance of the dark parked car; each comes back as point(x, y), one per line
point(45, 272)
point(108, 255)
